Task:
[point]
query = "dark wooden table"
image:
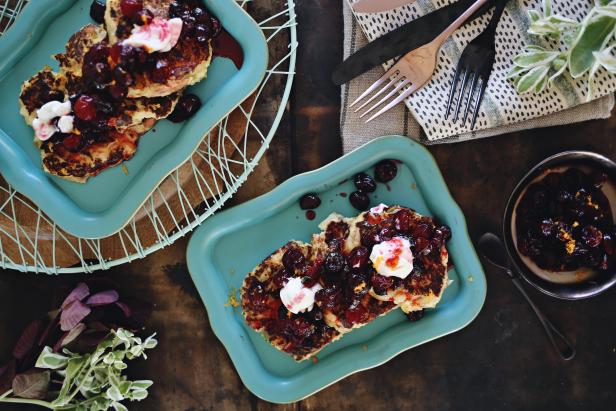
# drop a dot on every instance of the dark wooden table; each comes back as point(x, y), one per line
point(501, 361)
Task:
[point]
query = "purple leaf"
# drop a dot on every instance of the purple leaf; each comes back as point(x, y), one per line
point(27, 339)
point(31, 384)
point(7, 373)
point(125, 308)
point(69, 336)
point(79, 293)
point(103, 298)
point(73, 314)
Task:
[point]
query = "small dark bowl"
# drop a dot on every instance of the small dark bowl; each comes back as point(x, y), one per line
point(570, 290)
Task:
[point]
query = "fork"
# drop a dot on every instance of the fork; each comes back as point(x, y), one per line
point(412, 71)
point(477, 58)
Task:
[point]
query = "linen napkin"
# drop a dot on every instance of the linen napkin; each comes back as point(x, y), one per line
point(503, 110)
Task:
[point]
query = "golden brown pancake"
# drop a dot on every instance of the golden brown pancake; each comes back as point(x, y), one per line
point(300, 335)
point(185, 64)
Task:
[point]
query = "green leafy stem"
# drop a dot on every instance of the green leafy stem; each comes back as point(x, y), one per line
point(588, 48)
point(90, 382)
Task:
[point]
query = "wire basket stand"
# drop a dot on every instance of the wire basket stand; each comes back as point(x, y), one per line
point(30, 241)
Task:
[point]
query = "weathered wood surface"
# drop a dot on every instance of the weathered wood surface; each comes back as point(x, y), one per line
point(501, 361)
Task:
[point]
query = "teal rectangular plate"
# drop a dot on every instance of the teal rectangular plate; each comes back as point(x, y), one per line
point(106, 202)
point(230, 244)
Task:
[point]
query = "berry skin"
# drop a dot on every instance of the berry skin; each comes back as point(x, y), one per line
point(85, 108)
point(130, 8)
point(364, 183)
point(309, 201)
point(386, 170)
point(359, 200)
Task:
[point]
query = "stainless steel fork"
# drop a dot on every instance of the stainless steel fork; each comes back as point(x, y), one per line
point(411, 72)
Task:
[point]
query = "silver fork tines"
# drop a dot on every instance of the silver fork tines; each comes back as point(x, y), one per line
point(411, 72)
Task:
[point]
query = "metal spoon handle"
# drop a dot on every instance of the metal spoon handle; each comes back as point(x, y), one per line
point(565, 349)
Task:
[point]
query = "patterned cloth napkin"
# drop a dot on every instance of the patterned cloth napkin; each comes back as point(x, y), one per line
point(503, 110)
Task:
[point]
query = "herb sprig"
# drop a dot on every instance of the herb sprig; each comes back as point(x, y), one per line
point(74, 358)
point(90, 382)
point(588, 48)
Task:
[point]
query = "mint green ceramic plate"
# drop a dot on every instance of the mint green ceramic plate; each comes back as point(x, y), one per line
point(103, 205)
point(228, 246)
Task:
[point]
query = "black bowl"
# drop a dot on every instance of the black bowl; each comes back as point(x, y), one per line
point(573, 290)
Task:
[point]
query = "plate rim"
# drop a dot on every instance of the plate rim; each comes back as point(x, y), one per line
point(214, 294)
point(30, 180)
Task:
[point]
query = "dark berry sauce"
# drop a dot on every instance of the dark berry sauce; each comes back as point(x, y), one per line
point(226, 46)
point(188, 105)
point(110, 69)
point(347, 276)
point(564, 222)
point(311, 215)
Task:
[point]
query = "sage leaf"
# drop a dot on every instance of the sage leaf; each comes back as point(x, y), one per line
point(119, 407)
point(535, 58)
point(530, 80)
point(27, 339)
point(593, 37)
point(142, 384)
point(138, 395)
point(70, 336)
point(79, 293)
point(113, 393)
point(606, 59)
point(73, 314)
point(31, 385)
point(534, 15)
point(103, 298)
point(51, 360)
point(609, 11)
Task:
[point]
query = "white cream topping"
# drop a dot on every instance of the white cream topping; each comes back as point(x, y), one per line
point(298, 298)
point(393, 258)
point(65, 124)
point(160, 35)
point(378, 209)
point(43, 125)
point(53, 109)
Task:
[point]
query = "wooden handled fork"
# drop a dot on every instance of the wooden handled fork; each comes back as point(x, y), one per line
point(412, 70)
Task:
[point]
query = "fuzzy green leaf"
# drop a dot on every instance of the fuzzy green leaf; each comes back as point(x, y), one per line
point(606, 59)
point(118, 407)
point(531, 79)
point(593, 37)
point(535, 58)
point(51, 360)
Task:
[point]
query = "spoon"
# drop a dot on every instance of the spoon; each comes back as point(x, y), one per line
point(493, 250)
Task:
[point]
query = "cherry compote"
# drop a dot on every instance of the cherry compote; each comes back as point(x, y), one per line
point(188, 105)
point(564, 222)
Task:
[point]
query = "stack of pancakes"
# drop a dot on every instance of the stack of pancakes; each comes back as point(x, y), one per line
point(303, 335)
point(145, 104)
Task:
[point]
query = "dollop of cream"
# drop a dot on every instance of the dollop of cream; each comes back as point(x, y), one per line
point(393, 258)
point(298, 298)
point(65, 124)
point(378, 209)
point(43, 125)
point(160, 35)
